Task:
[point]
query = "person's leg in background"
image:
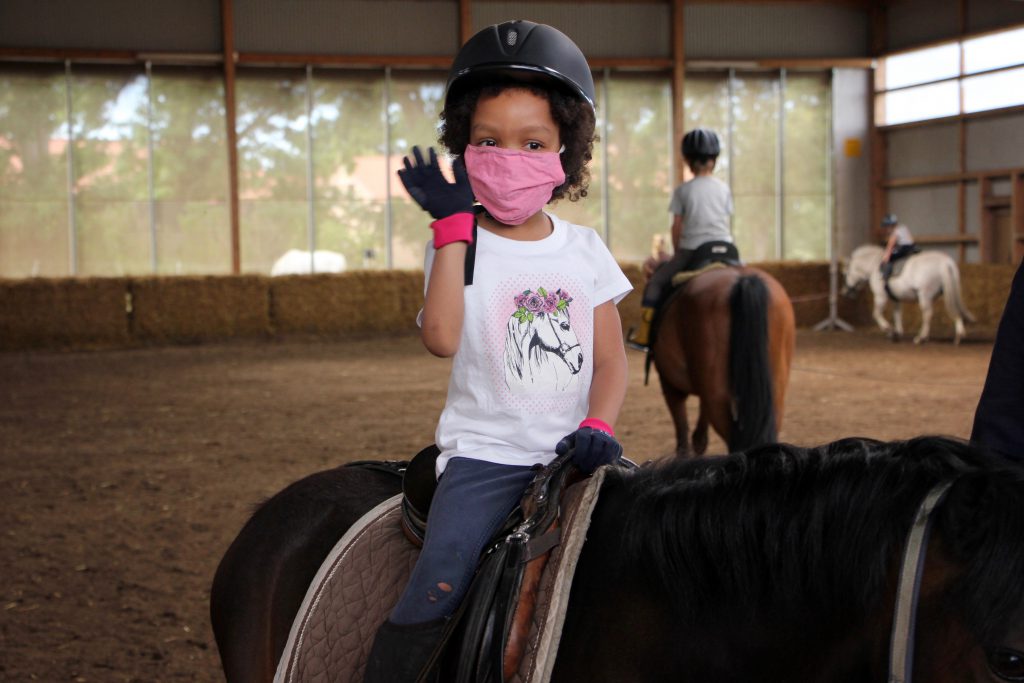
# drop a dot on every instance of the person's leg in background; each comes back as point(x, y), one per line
point(640, 337)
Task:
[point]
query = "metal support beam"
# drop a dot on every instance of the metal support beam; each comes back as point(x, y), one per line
point(228, 29)
point(310, 210)
point(465, 21)
point(833, 321)
point(780, 169)
point(72, 217)
point(678, 85)
point(605, 187)
point(388, 253)
point(153, 246)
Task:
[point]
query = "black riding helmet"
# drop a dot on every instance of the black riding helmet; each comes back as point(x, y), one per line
point(700, 142)
point(526, 52)
point(889, 219)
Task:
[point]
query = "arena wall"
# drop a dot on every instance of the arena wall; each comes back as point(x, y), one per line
point(88, 313)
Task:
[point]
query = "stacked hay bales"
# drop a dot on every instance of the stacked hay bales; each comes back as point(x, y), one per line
point(62, 313)
point(347, 304)
point(182, 310)
point(123, 312)
point(806, 283)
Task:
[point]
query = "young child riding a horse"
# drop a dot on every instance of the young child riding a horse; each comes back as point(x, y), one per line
point(701, 208)
point(899, 243)
point(539, 367)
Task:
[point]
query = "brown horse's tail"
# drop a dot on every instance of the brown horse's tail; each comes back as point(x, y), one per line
point(750, 373)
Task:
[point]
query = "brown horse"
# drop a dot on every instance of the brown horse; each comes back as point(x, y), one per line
point(776, 564)
point(728, 338)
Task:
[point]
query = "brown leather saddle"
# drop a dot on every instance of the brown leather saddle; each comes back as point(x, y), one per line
point(509, 626)
point(487, 636)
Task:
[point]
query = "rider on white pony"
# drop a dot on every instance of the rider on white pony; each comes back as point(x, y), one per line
point(925, 277)
point(900, 244)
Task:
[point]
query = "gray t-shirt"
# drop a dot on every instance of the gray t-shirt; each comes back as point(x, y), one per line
point(705, 204)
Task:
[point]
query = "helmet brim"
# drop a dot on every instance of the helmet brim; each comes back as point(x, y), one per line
point(482, 74)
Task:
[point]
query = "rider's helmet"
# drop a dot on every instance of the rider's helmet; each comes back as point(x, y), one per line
point(523, 51)
point(889, 220)
point(701, 143)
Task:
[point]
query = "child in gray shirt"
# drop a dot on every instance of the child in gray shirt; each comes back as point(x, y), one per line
point(701, 209)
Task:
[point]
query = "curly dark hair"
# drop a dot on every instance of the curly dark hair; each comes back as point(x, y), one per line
point(575, 119)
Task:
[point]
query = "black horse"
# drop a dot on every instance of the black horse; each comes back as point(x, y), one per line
point(778, 564)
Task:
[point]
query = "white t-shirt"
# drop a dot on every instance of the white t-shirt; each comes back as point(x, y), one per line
point(705, 203)
point(520, 380)
point(903, 236)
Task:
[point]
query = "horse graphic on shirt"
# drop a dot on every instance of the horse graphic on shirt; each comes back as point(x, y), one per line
point(542, 353)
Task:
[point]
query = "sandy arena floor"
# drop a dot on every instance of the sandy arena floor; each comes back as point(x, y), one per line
point(124, 475)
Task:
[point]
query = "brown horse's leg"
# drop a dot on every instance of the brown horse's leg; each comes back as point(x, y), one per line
point(676, 402)
point(700, 435)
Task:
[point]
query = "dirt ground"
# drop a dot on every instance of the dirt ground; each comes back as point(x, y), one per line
point(124, 475)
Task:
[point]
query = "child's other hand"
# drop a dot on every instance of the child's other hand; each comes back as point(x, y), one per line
point(593, 448)
point(431, 190)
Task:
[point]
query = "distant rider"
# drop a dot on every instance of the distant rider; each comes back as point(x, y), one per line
point(899, 244)
point(700, 210)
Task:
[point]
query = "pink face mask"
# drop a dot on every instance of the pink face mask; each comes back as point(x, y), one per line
point(511, 184)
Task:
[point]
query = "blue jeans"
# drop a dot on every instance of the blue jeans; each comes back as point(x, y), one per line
point(472, 501)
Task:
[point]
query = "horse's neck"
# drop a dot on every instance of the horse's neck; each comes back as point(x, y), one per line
point(872, 257)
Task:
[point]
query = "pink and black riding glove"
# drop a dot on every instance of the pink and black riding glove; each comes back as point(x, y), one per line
point(451, 204)
point(594, 444)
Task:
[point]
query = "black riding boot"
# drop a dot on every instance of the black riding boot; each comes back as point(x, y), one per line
point(401, 651)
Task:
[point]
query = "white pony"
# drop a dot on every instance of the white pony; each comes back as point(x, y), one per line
point(924, 277)
point(297, 262)
point(542, 353)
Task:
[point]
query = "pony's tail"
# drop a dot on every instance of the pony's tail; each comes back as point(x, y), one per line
point(951, 283)
point(750, 374)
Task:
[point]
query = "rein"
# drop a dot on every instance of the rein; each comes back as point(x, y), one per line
point(901, 648)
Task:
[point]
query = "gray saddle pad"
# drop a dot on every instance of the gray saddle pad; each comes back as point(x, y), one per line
point(364, 574)
point(349, 598)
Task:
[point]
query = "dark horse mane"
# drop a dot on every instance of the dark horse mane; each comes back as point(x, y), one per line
point(813, 535)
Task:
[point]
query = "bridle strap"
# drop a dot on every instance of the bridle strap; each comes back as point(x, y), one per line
point(901, 648)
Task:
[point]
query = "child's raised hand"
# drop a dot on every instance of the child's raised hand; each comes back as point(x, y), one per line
point(431, 190)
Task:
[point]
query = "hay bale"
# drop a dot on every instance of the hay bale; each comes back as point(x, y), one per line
point(629, 308)
point(806, 283)
point(986, 288)
point(190, 309)
point(48, 313)
point(352, 304)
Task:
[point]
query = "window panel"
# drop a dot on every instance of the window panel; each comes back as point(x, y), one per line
point(413, 114)
point(190, 169)
point(34, 236)
point(805, 166)
point(923, 102)
point(753, 227)
point(707, 106)
point(639, 162)
point(111, 166)
point(114, 238)
point(922, 66)
point(272, 158)
point(994, 51)
point(349, 165)
point(754, 177)
point(994, 90)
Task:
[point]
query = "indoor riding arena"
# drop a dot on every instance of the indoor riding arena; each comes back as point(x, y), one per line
point(210, 272)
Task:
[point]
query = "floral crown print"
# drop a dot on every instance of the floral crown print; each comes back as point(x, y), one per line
point(531, 304)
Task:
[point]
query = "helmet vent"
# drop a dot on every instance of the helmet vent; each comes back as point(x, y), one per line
point(511, 37)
